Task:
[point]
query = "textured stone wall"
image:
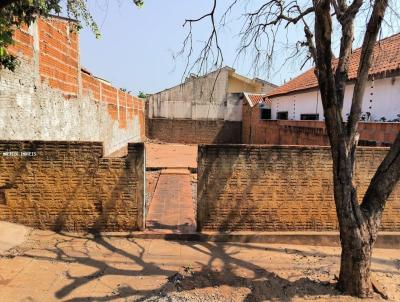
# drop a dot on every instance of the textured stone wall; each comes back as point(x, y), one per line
point(194, 131)
point(71, 186)
point(277, 188)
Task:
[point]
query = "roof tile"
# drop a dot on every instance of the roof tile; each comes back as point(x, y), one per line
point(386, 59)
point(254, 99)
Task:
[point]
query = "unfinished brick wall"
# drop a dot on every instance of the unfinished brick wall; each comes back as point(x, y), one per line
point(288, 132)
point(71, 186)
point(59, 55)
point(278, 188)
point(194, 131)
point(23, 43)
point(49, 54)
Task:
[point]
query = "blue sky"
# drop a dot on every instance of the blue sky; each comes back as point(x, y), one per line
point(137, 45)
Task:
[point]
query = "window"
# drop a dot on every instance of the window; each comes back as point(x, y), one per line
point(265, 113)
point(309, 117)
point(282, 115)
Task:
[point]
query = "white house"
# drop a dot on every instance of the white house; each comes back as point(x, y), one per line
point(299, 99)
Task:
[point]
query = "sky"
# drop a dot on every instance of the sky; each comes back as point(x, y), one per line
point(137, 46)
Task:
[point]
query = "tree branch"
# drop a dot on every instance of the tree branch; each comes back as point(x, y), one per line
point(207, 50)
point(373, 27)
point(383, 182)
point(310, 42)
point(346, 16)
point(324, 72)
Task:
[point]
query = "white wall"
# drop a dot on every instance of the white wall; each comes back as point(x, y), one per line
point(41, 113)
point(381, 99)
point(200, 98)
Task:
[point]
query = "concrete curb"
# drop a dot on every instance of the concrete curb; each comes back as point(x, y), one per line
point(386, 240)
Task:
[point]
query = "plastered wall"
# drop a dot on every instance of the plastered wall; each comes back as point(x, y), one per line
point(198, 98)
point(49, 97)
point(381, 100)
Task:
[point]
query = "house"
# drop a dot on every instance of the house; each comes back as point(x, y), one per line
point(203, 109)
point(292, 114)
point(299, 99)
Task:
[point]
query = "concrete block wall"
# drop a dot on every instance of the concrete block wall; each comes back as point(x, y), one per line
point(50, 97)
point(71, 186)
point(189, 131)
point(278, 188)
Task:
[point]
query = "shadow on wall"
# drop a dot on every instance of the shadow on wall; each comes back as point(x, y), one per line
point(278, 188)
point(71, 186)
point(218, 207)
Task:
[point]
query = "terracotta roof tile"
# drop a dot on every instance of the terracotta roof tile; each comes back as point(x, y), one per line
point(386, 59)
point(254, 99)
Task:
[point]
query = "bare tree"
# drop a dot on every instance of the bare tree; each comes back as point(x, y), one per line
point(359, 220)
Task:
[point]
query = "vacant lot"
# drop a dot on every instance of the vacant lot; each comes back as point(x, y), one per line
point(54, 267)
point(171, 155)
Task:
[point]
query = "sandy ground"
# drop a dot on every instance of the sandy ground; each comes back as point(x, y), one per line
point(12, 235)
point(53, 267)
point(171, 156)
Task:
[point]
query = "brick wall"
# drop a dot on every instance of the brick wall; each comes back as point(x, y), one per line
point(288, 132)
point(193, 131)
point(49, 55)
point(278, 188)
point(58, 55)
point(23, 43)
point(71, 186)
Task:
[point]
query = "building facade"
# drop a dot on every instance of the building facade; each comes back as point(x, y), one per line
point(299, 99)
point(204, 109)
point(292, 114)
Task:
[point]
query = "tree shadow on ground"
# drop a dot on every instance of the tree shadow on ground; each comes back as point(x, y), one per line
point(261, 285)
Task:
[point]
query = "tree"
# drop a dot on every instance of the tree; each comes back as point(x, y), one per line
point(359, 220)
point(15, 13)
point(142, 95)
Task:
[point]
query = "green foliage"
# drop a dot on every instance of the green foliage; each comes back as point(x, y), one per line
point(20, 12)
point(139, 3)
point(142, 95)
point(16, 14)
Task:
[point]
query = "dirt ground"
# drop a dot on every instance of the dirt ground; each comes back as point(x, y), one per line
point(73, 267)
point(171, 155)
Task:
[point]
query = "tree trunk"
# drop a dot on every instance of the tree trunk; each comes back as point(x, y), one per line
point(357, 233)
point(358, 225)
point(355, 276)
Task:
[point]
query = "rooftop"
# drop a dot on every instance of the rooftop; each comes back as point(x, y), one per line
point(386, 60)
